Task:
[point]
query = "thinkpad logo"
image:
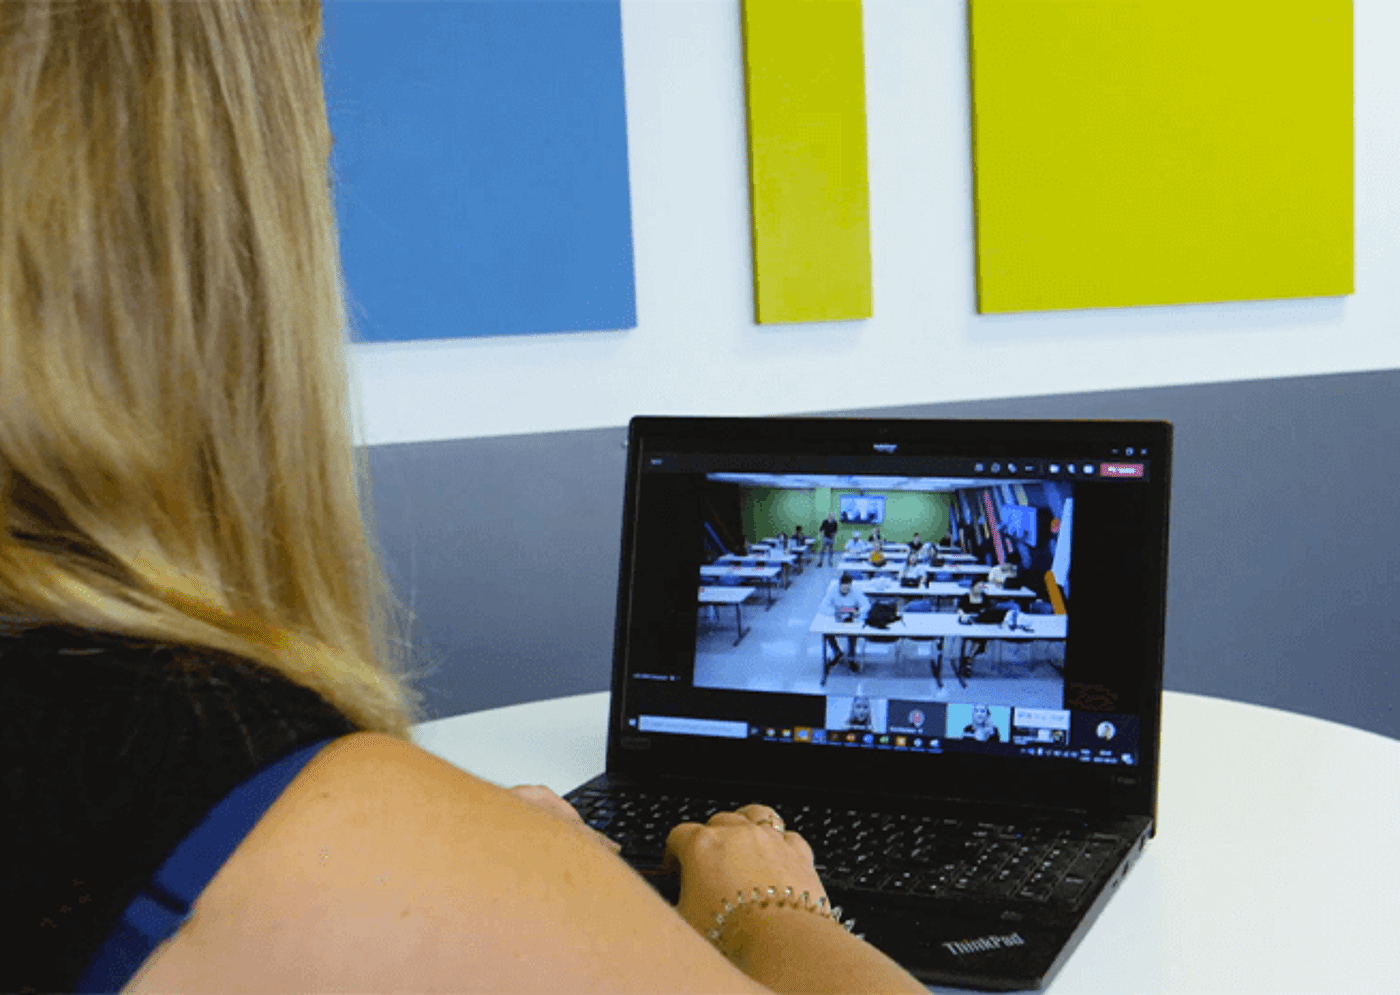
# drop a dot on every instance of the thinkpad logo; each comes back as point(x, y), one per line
point(983, 943)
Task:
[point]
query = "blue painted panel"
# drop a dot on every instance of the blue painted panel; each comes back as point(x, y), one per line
point(481, 164)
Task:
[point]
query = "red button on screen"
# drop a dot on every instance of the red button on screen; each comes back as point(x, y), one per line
point(1120, 470)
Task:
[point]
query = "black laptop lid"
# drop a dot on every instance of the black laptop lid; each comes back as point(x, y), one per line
point(1085, 503)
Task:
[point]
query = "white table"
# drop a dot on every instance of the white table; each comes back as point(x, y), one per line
point(762, 557)
point(1274, 869)
point(958, 557)
point(763, 574)
point(890, 554)
point(966, 569)
point(865, 567)
point(937, 627)
point(883, 588)
point(728, 596)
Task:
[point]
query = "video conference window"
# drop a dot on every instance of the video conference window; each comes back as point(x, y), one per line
point(915, 606)
point(862, 510)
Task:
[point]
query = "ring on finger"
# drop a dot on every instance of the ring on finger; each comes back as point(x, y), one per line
point(770, 821)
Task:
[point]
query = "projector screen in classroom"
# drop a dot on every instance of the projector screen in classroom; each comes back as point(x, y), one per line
point(861, 509)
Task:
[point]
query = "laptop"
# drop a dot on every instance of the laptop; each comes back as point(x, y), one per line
point(973, 792)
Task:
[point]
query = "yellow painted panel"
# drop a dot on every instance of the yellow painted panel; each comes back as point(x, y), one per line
point(1161, 152)
point(805, 74)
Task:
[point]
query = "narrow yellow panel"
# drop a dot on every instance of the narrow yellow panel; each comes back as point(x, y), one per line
point(805, 73)
point(1131, 152)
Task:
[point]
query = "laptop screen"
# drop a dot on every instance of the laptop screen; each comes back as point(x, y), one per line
point(973, 607)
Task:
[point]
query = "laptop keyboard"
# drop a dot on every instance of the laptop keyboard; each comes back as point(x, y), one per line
point(1041, 863)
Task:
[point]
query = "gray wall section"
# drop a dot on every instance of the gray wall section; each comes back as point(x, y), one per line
point(1283, 537)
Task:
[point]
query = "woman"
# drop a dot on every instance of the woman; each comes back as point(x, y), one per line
point(912, 572)
point(190, 592)
point(982, 728)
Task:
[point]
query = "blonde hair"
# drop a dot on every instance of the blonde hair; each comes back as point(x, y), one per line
point(176, 456)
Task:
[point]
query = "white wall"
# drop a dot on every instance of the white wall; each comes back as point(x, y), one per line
point(697, 350)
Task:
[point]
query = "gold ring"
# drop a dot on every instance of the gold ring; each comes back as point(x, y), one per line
point(778, 825)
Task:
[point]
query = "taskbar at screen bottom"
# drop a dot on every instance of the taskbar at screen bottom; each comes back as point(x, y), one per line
point(918, 727)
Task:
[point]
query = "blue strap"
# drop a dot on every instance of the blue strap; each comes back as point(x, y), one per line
point(163, 906)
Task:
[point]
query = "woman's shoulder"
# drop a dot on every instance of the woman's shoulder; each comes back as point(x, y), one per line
point(382, 867)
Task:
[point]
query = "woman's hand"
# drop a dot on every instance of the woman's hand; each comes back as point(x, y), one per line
point(539, 795)
point(734, 852)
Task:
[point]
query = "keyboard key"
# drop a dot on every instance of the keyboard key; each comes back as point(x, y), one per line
point(1070, 888)
point(1035, 893)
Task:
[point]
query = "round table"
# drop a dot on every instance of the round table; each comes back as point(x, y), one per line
point(1275, 867)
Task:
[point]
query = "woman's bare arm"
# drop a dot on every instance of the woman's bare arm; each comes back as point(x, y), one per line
point(383, 868)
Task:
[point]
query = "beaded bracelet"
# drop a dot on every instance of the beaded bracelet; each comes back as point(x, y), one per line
point(762, 900)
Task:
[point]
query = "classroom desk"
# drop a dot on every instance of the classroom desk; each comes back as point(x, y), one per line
point(1273, 870)
point(728, 596)
point(890, 557)
point(785, 560)
point(965, 569)
point(796, 549)
point(937, 627)
point(939, 590)
point(865, 567)
point(765, 575)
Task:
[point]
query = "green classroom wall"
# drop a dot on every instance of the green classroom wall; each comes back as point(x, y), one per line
point(766, 511)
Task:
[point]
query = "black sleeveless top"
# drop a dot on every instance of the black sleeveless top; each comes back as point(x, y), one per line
point(114, 750)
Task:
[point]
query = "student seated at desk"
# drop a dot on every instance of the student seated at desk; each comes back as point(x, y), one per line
point(915, 544)
point(856, 546)
point(912, 573)
point(842, 601)
point(192, 596)
point(969, 606)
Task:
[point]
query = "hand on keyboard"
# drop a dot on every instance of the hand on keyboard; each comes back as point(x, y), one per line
point(733, 851)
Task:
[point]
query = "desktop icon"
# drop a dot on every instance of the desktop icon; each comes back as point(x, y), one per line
point(1054, 468)
point(787, 734)
point(868, 738)
point(850, 737)
point(885, 740)
point(819, 735)
point(996, 468)
point(801, 735)
point(918, 742)
point(900, 741)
